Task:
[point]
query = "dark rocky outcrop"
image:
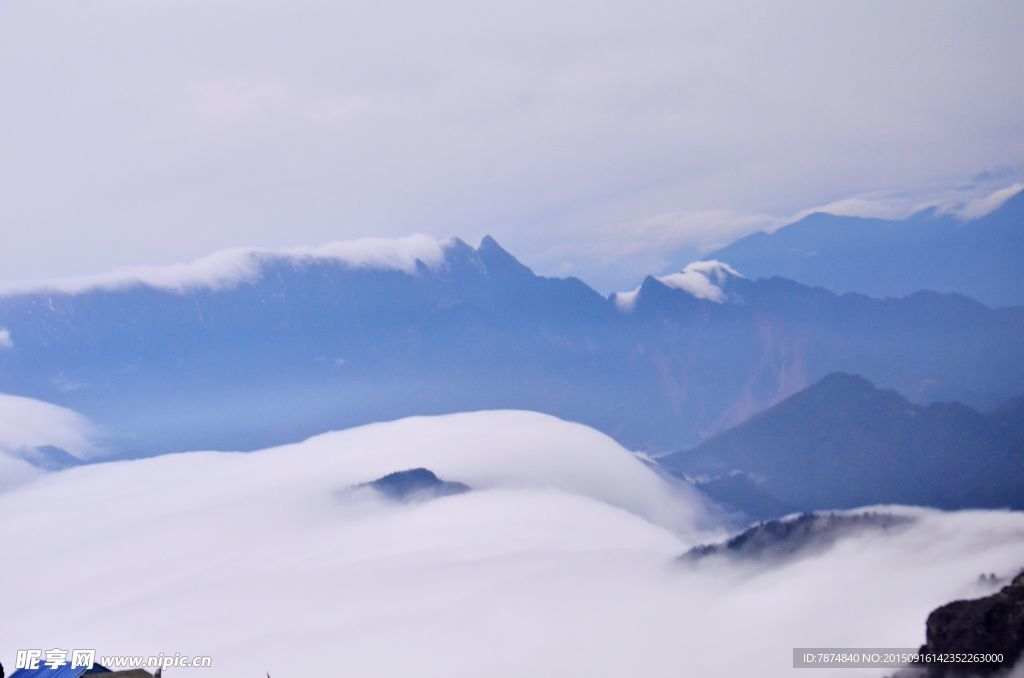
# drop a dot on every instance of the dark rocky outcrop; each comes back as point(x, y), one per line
point(414, 484)
point(780, 539)
point(990, 625)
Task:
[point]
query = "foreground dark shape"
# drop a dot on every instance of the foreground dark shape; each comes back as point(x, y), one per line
point(993, 624)
point(777, 539)
point(66, 671)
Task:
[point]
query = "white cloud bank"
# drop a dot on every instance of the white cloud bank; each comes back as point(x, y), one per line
point(27, 423)
point(701, 279)
point(16, 471)
point(229, 267)
point(5, 338)
point(964, 202)
point(559, 564)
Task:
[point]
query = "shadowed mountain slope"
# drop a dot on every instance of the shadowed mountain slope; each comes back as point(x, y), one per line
point(843, 443)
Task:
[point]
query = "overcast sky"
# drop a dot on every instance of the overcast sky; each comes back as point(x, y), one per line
point(601, 139)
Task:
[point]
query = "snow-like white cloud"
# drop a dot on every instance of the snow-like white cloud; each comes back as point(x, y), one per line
point(701, 279)
point(535, 450)
point(983, 205)
point(5, 338)
point(969, 201)
point(230, 267)
point(626, 301)
point(559, 563)
point(15, 471)
point(26, 423)
point(882, 205)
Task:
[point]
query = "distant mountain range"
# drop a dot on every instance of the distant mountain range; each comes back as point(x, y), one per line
point(248, 351)
point(843, 443)
point(980, 258)
point(309, 345)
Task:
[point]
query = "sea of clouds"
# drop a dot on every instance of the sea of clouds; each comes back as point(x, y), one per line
point(561, 562)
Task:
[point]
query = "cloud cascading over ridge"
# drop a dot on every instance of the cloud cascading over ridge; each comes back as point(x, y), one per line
point(982, 205)
point(700, 279)
point(27, 424)
point(229, 267)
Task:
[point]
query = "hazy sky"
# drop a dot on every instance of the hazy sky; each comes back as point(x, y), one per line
point(601, 139)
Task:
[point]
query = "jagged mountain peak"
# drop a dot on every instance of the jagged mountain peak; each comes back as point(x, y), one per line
point(488, 242)
point(498, 260)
